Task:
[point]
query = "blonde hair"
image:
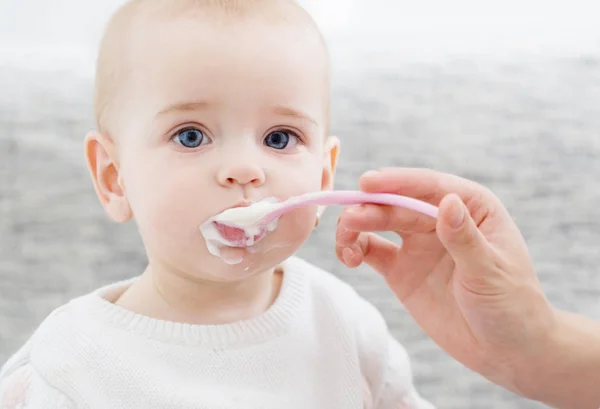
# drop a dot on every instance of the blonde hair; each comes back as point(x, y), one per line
point(111, 65)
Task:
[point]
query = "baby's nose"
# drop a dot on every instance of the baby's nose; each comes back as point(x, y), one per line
point(241, 173)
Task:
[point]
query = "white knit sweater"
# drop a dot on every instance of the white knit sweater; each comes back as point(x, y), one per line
point(319, 346)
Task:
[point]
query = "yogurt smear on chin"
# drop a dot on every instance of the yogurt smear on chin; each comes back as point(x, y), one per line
point(237, 228)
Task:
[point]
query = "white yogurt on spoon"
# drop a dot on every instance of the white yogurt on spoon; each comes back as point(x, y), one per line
point(247, 217)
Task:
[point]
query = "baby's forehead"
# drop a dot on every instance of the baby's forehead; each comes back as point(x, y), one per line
point(220, 84)
point(200, 59)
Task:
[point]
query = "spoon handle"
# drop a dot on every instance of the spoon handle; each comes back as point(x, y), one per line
point(353, 197)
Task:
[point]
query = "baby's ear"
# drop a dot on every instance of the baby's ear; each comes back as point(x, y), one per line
point(330, 159)
point(103, 165)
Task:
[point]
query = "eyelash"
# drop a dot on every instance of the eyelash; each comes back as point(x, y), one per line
point(292, 132)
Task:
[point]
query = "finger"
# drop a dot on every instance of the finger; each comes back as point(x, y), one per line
point(344, 236)
point(350, 255)
point(460, 235)
point(423, 184)
point(379, 218)
point(377, 252)
point(404, 271)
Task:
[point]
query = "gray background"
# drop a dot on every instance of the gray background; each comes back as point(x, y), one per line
point(521, 116)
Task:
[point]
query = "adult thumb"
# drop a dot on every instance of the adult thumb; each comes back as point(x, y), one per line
point(459, 234)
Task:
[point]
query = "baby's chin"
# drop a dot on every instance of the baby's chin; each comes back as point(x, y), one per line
point(237, 264)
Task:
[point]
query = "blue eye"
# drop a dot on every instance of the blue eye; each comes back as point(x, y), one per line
point(280, 139)
point(190, 137)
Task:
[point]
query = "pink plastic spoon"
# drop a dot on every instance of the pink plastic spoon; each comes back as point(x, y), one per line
point(255, 215)
point(349, 197)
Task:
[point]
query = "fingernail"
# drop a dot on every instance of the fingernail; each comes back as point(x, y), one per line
point(371, 173)
point(347, 255)
point(458, 215)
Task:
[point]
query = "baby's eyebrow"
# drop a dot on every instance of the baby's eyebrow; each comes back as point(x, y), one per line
point(202, 105)
point(185, 106)
point(291, 112)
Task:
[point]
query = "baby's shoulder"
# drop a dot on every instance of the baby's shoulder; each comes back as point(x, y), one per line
point(55, 346)
point(52, 358)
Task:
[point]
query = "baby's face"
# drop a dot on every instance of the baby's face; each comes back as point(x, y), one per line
point(213, 116)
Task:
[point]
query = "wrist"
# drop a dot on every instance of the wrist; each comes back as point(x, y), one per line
point(563, 370)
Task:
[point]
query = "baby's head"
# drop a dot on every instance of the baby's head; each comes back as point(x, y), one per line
point(207, 104)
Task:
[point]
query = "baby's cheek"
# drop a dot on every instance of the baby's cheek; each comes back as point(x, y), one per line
point(168, 215)
point(297, 225)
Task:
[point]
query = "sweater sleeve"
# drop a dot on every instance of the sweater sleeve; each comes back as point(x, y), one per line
point(24, 388)
point(385, 364)
point(397, 389)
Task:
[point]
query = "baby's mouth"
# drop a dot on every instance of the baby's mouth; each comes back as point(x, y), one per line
point(239, 237)
point(220, 232)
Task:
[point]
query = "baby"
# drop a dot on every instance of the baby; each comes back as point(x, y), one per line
point(204, 105)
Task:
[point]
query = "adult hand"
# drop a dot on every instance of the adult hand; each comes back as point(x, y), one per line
point(466, 278)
